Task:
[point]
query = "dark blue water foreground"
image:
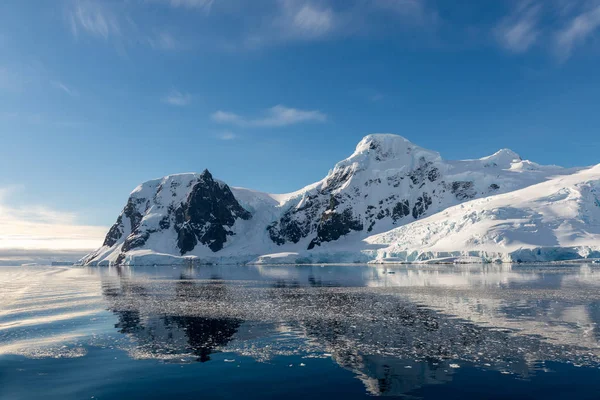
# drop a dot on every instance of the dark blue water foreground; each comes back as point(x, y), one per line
point(297, 332)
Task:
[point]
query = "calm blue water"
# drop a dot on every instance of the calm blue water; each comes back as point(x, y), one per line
point(452, 332)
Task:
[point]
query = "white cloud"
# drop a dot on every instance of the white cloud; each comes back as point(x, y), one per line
point(227, 135)
point(227, 117)
point(307, 20)
point(36, 228)
point(198, 4)
point(556, 25)
point(176, 98)
point(520, 30)
point(276, 116)
point(115, 22)
point(93, 18)
point(61, 86)
point(316, 20)
point(578, 29)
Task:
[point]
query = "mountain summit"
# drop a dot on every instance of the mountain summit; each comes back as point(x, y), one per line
point(384, 202)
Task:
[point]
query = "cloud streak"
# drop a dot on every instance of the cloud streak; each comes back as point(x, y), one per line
point(519, 31)
point(204, 5)
point(94, 19)
point(306, 20)
point(61, 86)
point(577, 31)
point(178, 99)
point(277, 116)
point(226, 135)
point(556, 25)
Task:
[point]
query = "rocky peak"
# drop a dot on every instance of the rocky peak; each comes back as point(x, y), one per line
point(206, 176)
point(207, 214)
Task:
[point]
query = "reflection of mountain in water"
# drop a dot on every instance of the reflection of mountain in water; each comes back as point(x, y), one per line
point(167, 336)
point(402, 333)
point(390, 376)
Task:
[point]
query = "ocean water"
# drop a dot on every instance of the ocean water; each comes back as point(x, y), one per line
point(298, 332)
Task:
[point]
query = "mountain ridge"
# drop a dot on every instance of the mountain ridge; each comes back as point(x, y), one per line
point(387, 183)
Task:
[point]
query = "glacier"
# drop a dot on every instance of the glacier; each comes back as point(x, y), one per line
point(390, 201)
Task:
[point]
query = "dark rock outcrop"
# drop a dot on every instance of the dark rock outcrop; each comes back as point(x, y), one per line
point(333, 225)
point(205, 217)
point(207, 214)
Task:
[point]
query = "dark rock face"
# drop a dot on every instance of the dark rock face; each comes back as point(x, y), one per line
point(117, 230)
point(425, 171)
point(333, 225)
point(319, 213)
point(136, 239)
point(115, 233)
point(463, 190)
point(210, 209)
point(401, 210)
point(131, 212)
point(422, 204)
point(290, 227)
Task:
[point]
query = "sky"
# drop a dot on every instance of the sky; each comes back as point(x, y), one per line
point(97, 96)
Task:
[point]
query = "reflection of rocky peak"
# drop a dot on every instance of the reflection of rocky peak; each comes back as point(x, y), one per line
point(394, 344)
point(167, 336)
point(390, 376)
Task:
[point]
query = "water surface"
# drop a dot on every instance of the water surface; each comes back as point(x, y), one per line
point(457, 332)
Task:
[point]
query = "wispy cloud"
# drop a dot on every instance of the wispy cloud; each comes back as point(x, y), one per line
point(35, 227)
point(555, 25)
point(520, 30)
point(61, 86)
point(164, 41)
point(578, 30)
point(119, 23)
point(306, 20)
point(276, 116)
point(317, 20)
point(93, 18)
point(204, 5)
point(177, 98)
point(226, 135)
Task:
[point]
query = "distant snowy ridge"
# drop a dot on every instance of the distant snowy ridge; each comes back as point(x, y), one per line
point(555, 220)
point(390, 201)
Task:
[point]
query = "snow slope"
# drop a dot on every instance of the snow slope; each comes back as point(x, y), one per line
point(389, 200)
point(555, 220)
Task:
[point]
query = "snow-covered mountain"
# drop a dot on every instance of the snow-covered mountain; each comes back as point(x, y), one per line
point(558, 219)
point(390, 200)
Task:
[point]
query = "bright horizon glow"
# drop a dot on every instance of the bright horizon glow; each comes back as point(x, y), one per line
point(39, 231)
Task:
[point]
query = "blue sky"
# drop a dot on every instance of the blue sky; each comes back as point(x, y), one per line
point(98, 96)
